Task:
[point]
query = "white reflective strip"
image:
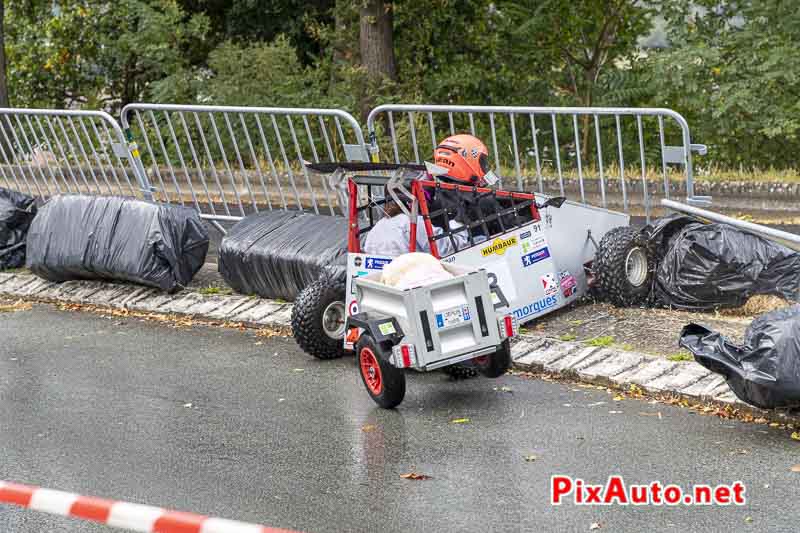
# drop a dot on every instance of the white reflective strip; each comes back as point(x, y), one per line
point(52, 501)
point(134, 517)
point(218, 525)
point(3, 485)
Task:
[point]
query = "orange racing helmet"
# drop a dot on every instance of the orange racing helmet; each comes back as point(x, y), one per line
point(465, 157)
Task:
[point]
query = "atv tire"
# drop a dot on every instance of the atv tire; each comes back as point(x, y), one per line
point(624, 267)
point(499, 362)
point(318, 318)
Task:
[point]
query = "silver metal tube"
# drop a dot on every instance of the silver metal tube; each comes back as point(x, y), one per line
point(73, 154)
point(198, 165)
point(94, 155)
point(271, 162)
point(314, 154)
point(644, 170)
point(535, 136)
point(3, 146)
point(558, 154)
point(38, 144)
point(153, 160)
point(516, 152)
point(621, 166)
point(245, 177)
point(256, 162)
point(413, 136)
point(286, 162)
point(16, 157)
point(77, 137)
point(225, 163)
point(166, 157)
point(105, 155)
point(433, 132)
point(30, 151)
point(472, 124)
point(494, 144)
point(302, 164)
point(600, 160)
point(663, 157)
point(211, 164)
point(179, 152)
point(63, 155)
point(578, 156)
point(452, 127)
point(785, 238)
point(394, 138)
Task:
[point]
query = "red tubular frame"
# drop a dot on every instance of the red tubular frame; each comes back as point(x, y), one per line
point(418, 190)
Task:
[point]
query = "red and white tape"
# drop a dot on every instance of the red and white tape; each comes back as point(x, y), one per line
point(131, 516)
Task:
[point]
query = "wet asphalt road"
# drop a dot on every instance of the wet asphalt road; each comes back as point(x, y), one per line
point(100, 406)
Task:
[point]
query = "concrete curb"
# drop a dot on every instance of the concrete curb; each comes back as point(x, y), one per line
point(620, 370)
point(600, 366)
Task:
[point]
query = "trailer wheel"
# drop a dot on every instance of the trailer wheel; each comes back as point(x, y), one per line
point(385, 383)
point(497, 363)
point(318, 318)
point(624, 267)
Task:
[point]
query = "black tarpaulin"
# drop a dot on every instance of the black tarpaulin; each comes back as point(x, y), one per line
point(763, 371)
point(113, 238)
point(277, 253)
point(707, 266)
point(17, 210)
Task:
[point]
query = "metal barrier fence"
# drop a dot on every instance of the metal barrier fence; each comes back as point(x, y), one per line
point(604, 155)
point(45, 152)
point(231, 161)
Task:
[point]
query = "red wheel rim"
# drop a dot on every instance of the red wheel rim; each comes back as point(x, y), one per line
point(371, 371)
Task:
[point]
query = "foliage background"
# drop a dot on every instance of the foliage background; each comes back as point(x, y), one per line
point(730, 67)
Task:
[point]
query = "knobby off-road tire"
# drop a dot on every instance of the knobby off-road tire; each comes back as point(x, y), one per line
point(318, 318)
point(385, 383)
point(499, 362)
point(624, 267)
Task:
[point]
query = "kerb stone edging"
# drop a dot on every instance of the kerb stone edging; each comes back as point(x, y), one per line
point(600, 366)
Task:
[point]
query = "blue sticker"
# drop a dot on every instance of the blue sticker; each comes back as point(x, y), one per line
point(439, 320)
point(465, 313)
point(525, 235)
point(534, 257)
point(536, 307)
point(376, 263)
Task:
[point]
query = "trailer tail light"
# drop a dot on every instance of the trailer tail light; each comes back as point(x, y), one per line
point(508, 325)
point(404, 356)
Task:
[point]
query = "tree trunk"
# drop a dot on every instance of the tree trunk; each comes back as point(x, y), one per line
point(376, 39)
point(3, 80)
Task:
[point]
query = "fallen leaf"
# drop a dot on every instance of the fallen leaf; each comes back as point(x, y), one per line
point(367, 428)
point(460, 421)
point(298, 370)
point(415, 476)
point(748, 519)
point(618, 398)
point(595, 404)
point(259, 343)
point(795, 436)
point(595, 525)
point(795, 468)
point(530, 458)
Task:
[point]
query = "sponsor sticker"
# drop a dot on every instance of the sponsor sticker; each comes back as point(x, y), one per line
point(353, 308)
point(536, 307)
point(525, 235)
point(569, 285)
point(499, 246)
point(549, 284)
point(534, 257)
point(357, 261)
point(533, 244)
point(387, 328)
point(451, 317)
point(376, 263)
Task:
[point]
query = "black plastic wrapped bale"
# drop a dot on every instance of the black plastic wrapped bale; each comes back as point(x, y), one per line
point(17, 211)
point(707, 266)
point(277, 253)
point(113, 238)
point(763, 371)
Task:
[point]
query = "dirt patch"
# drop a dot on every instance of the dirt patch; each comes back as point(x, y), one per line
point(652, 331)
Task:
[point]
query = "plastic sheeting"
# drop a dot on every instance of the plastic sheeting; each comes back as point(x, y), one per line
point(707, 266)
point(765, 370)
point(112, 238)
point(16, 213)
point(276, 254)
